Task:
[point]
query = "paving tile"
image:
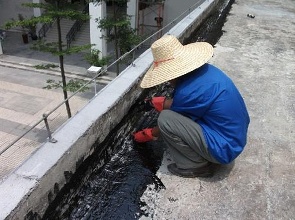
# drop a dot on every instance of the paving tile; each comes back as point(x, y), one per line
point(22, 106)
point(15, 155)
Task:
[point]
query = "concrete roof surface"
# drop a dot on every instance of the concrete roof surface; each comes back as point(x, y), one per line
point(258, 54)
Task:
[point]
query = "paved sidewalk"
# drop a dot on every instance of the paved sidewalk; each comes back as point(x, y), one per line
point(23, 101)
point(259, 55)
point(18, 55)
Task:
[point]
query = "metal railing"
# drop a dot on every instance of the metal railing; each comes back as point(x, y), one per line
point(76, 27)
point(43, 30)
point(93, 80)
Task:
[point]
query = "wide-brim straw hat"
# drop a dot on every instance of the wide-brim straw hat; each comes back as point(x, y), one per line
point(172, 60)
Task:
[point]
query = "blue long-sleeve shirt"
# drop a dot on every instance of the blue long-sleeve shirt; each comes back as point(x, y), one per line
point(209, 97)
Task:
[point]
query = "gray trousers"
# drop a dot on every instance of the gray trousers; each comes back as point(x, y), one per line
point(185, 140)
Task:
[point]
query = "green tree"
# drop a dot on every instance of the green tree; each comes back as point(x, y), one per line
point(55, 11)
point(117, 25)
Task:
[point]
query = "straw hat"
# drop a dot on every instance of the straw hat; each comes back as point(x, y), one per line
point(172, 60)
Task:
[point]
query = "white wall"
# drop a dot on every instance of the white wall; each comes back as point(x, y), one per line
point(10, 9)
point(132, 11)
point(97, 11)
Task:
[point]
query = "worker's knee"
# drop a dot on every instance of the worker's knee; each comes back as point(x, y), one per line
point(165, 119)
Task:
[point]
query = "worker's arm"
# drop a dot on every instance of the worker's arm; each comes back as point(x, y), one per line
point(150, 134)
point(160, 103)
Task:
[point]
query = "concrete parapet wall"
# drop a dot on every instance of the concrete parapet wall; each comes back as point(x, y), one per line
point(36, 182)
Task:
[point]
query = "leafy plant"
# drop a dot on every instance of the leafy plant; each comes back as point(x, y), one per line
point(93, 58)
point(119, 30)
point(45, 66)
point(73, 85)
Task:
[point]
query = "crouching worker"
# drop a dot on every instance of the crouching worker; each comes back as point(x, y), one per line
point(206, 122)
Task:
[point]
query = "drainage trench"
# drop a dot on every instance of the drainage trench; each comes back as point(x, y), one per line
point(109, 183)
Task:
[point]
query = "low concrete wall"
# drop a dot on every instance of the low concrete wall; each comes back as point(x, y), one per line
point(37, 181)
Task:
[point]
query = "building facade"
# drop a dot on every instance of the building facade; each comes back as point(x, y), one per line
point(147, 16)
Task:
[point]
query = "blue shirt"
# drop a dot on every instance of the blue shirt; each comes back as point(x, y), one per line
point(210, 98)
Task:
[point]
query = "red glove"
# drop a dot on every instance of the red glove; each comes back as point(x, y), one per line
point(144, 135)
point(158, 103)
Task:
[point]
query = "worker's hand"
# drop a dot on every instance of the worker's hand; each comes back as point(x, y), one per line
point(156, 102)
point(144, 135)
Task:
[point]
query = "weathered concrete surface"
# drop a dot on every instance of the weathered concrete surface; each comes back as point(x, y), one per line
point(258, 54)
point(37, 181)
